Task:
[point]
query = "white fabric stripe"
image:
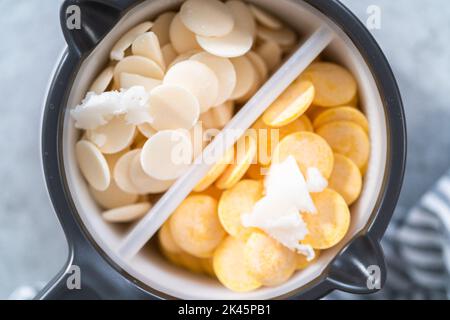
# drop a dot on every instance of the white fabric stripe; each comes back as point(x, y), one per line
point(397, 281)
point(435, 204)
point(429, 280)
point(420, 217)
point(422, 258)
point(397, 277)
point(414, 237)
point(446, 258)
point(432, 248)
point(444, 187)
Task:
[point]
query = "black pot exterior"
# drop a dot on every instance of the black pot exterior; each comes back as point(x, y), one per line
point(101, 277)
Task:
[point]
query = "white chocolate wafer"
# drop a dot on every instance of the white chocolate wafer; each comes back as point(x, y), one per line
point(224, 70)
point(161, 27)
point(113, 197)
point(284, 37)
point(265, 18)
point(239, 41)
point(138, 65)
point(147, 45)
point(128, 80)
point(118, 51)
point(101, 83)
point(259, 64)
point(143, 182)
point(197, 78)
point(173, 107)
point(169, 54)
point(167, 155)
point(183, 57)
point(128, 213)
point(114, 136)
point(246, 77)
point(218, 116)
point(271, 53)
point(182, 38)
point(146, 129)
point(209, 18)
point(93, 165)
point(121, 172)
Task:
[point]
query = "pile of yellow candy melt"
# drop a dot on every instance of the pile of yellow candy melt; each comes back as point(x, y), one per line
point(318, 123)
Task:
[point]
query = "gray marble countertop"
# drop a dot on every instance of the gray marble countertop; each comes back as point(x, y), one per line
point(414, 37)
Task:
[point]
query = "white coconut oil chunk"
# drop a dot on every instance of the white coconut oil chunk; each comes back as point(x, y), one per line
point(239, 41)
point(118, 51)
point(143, 182)
point(121, 172)
point(287, 181)
point(197, 78)
point(97, 109)
point(128, 213)
point(209, 18)
point(278, 212)
point(173, 107)
point(224, 70)
point(93, 165)
point(147, 45)
point(167, 155)
point(315, 181)
point(281, 221)
point(113, 137)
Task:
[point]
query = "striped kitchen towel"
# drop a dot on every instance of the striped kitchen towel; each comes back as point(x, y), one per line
point(417, 250)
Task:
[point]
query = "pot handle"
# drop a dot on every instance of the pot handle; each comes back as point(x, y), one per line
point(360, 268)
point(69, 285)
point(88, 276)
point(85, 22)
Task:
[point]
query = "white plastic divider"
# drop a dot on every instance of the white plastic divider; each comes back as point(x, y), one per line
point(253, 109)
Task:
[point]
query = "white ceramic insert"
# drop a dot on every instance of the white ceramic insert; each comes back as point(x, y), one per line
point(148, 266)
